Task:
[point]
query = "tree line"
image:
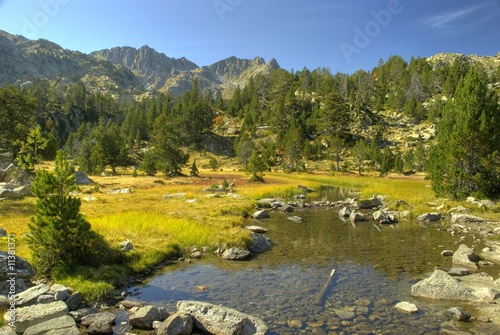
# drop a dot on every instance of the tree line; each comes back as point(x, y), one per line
point(285, 119)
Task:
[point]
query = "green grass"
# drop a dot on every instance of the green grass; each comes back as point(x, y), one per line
point(163, 229)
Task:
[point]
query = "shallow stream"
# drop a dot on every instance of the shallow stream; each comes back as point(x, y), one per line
point(375, 268)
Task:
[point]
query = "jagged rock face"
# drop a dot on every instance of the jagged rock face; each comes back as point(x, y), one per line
point(25, 60)
point(152, 68)
point(124, 68)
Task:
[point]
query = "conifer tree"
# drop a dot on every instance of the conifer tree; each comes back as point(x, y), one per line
point(60, 237)
point(466, 159)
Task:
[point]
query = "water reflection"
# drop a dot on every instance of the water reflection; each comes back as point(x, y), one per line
point(376, 266)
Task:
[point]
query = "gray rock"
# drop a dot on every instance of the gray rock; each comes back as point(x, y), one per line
point(407, 307)
point(487, 203)
point(447, 253)
point(459, 272)
point(260, 243)
point(195, 254)
point(126, 246)
point(127, 304)
point(257, 229)
point(356, 216)
point(452, 331)
point(370, 203)
point(102, 317)
point(23, 268)
point(33, 315)
point(219, 320)
point(456, 217)
point(9, 194)
point(7, 330)
point(74, 301)
point(380, 215)
point(180, 323)
point(82, 312)
point(82, 178)
point(465, 256)
point(345, 313)
point(458, 314)
point(174, 196)
point(120, 191)
point(459, 209)
point(60, 292)
point(144, 317)
point(100, 328)
point(31, 294)
point(45, 299)
point(23, 191)
point(344, 212)
point(3, 232)
point(430, 217)
point(295, 218)
point(61, 323)
point(442, 286)
point(235, 254)
point(262, 214)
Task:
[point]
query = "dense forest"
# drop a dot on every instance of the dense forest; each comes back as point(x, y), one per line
point(285, 120)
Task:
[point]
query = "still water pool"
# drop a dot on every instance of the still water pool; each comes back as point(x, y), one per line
point(375, 268)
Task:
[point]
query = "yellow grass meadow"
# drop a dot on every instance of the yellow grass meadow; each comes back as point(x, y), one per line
point(162, 228)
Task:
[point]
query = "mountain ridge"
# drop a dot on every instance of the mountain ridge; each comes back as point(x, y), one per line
point(120, 70)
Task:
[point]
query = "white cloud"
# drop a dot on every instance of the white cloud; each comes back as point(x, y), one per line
point(458, 21)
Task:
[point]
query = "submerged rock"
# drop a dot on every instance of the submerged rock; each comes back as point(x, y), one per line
point(407, 307)
point(458, 314)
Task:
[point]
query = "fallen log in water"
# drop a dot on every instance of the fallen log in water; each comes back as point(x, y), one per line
point(321, 294)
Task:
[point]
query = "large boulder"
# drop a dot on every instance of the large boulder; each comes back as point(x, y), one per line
point(32, 315)
point(442, 286)
point(465, 256)
point(219, 320)
point(260, 243)
point(180, 323)
point(64, 322)
point(144, 317)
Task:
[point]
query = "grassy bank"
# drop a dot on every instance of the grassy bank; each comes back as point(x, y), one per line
point(161, 229)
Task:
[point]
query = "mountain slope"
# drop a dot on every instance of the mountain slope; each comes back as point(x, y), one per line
point(120, 71)
point(25, 60)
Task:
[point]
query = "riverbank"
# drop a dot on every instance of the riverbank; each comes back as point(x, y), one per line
point(165, 218)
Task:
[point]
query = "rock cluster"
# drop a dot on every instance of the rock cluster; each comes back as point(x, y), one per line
point(14, 183)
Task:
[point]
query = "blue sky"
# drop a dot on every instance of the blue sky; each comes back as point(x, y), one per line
point(341, 35)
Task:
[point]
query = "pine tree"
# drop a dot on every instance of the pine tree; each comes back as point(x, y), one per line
point(194, 169)
point(60, 237)
point(465, 161)
point(30, 152)
point(360, 151)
